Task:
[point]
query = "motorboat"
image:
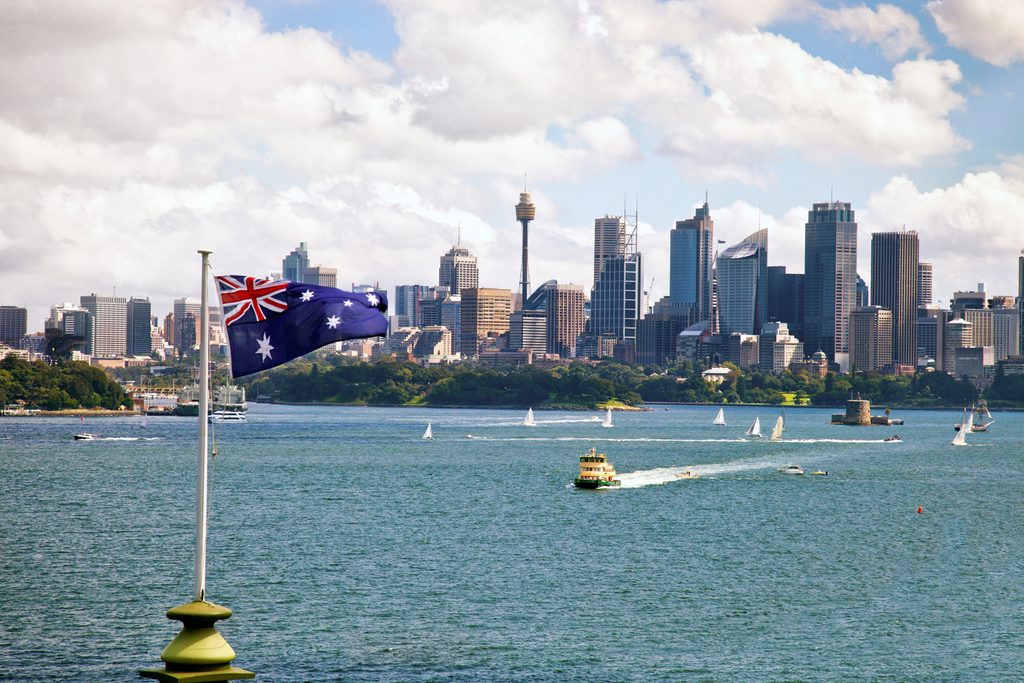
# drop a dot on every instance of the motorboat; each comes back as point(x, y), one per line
point(596, 472)
point(894, 437)
point(227, 416)
point(792, 469)
point(85, 436)
point(820, 473)
point(688, 474)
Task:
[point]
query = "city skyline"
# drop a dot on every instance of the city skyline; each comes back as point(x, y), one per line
point(376, 132)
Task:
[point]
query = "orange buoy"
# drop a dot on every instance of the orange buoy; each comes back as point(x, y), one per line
point(920, 509)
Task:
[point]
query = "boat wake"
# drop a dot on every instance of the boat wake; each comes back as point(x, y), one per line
point(126, 438)
point(597, 438)
point(664, 475)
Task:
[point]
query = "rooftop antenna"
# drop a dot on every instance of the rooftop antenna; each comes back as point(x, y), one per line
point(705, 196)
point(458, 238)
point(524, 181)
point(831, 193)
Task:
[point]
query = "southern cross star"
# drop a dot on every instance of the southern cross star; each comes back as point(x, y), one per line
point(348, 303)
point(306, 296)
point(265, 347)
point(333, 321)
point(372, 299)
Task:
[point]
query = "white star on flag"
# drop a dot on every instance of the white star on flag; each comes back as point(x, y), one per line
point(265, 347)
point(333, 321)
point(306, 296)
point(348, 303)
point(372, 299)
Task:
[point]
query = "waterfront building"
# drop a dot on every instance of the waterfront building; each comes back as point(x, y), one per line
point(13, 324)
point(458, 270)
point(742, 274)
point(320, 275)
point(294, 265)
point(484, 313)
point(691, 265)
point(109, 324)
point(777, 347)
point(139, 340)
point(563, 304)
point(786, 299)
point(830, 278)
point(894, 277)
point(924, 284)
point(871, 334)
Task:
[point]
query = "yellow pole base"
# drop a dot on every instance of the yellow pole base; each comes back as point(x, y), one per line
point(198, 654)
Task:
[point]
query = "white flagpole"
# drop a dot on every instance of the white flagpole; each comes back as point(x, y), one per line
point(204, 408)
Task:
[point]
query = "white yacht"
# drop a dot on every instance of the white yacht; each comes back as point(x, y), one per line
point(227, 416)
point(792, 469)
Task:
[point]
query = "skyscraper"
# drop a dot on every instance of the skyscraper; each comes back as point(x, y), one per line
point(609, 241)
point(871, 333)
point(407, 304)
point(320, 275)
point(293, 267)
point(691, 257)
point(924, 284)
point(458, 270)
point(786, 299)
point(13, 324)
point(525, 212)
point(139, 341)
point(894, 278)
point(830, 278)
point(565, 317)
point(742, 285)
point(109, 324)
point(484, 312)
point(187, 321)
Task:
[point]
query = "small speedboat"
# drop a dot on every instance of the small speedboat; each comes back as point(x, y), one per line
point(894, 437)
point(85, 436)
point(687, 475)
point(792, 469)
point(820, 473)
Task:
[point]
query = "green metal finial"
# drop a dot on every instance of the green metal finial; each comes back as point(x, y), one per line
point(199, 653)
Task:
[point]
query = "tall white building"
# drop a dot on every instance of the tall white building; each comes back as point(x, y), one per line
point(109, 324)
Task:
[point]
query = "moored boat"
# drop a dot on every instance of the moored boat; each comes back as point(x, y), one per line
point(227, 416)
point(596, 472)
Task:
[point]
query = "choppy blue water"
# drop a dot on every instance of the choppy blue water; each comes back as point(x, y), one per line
point(351, 550)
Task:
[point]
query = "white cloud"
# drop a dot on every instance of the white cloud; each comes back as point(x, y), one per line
point(992, 30)
point(969, 230)
point(894, 30)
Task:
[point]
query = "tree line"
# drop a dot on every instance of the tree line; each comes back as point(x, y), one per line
point(64, 386)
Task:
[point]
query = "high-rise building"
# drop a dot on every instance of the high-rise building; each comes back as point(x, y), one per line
point(458, 270)
point(1005, 332)
point(484, 312)
point(528, 330)
point(871, 333)
point(139, 341)
point(407, 304)
point(169, 328)
point(777, 348)
point(564, 309)
point(786, 298)
point(293, 267)
point(957, 335)
point(609, 241)
point(525, 212)
point(13, 324)
point(616, 299)
point(862, 298)
point(109, 324)
point(187, 324)
point(830, 278)
point(931, 326)
point(691, 263)
point(924, 284)
point(894, 278)
point(320, 275)
point(742, 285)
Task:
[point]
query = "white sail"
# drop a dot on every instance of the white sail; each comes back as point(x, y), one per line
point(720, 418)
point(965, 426)
point(429, 434)
point(777, 429)
point(607, 419)
point(755, 428)
point(529, 421)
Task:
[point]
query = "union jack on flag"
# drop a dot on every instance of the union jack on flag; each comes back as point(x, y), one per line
point(239, 295)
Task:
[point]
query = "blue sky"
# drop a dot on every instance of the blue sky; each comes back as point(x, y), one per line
point(373, 130)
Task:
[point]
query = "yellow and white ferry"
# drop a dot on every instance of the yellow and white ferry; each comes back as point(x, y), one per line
point(596, 472)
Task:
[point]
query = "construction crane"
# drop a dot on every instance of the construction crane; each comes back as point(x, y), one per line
point(647, 307)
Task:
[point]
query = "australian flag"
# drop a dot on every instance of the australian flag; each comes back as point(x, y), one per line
point(270, 322)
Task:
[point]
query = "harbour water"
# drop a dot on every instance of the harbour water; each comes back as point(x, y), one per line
point(352, 550)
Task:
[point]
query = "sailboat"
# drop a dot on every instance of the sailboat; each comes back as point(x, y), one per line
point(607, 419)
point(720, 418)
point(961, 436)
point(755, 428)
point(982, 418)
point(777, 429)
point(429, 434)
point(529, 421)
